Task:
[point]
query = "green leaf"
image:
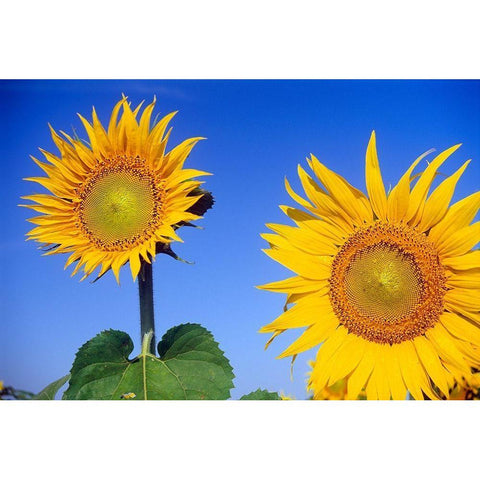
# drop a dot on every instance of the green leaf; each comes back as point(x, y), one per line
point(49, 392)
point(191, 366)
point(193, 355)
point(261, 395)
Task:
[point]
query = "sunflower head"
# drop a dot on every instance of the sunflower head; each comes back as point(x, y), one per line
point(337, 391)
point(466, 388)
point(387, 285)
point(117, 197)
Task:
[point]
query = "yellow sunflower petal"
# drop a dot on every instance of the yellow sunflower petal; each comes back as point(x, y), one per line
point(333, 343)
point(398, 199)
point(465, 279)
point(66, 150)
point(380, 373)
point(97, 147)
point(131, 130)
point(413, 373)
point(48, 200)
point(101, 135)
point(429, 358)
point(461, 328)
point(371, 387)
point(134, 264)
point(312, 336)
point(117, 264)
point(55, 187)
point(329, 229)
point(349, 198)
point(311, 310)
point(375, 187)
point(437, 204)
point(346, 358)
point(302, 264)
point(177, 156)
point(297, 198)
point(144, 126)
point(322, 370)
point(408, 357)
point(464, 298)
point(278, 242)
point(112, 126)
point(74, 172)
point(420, 190)
point(460, 242)
point(153, 145)
point(293, 285)
point(470, 314)
point(392, 366)
point(324, 205)
point(458, 216)
point(359, 377)
point(304, 239)
point(470, 353)
point(445, 345)
point(463, 262)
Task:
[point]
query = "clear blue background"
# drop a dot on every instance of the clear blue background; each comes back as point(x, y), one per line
point(258, 131)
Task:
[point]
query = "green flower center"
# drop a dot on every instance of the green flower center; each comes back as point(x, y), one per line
point(118, 206)
point(383, 283)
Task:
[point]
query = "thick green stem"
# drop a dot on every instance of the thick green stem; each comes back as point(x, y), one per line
point(145, 290)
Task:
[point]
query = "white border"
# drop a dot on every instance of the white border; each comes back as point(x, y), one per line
point(247, 440)
point(247, 39)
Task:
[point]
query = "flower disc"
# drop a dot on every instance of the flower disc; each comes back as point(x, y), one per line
point(119, 207)
point(387, 284)
point(383, 283)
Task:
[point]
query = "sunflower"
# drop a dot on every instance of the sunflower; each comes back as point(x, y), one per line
point(467, 388)
point(387, 285)
point(113, 199)
point(337, 391)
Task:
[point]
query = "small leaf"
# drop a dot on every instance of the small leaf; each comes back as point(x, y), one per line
point(49, 392)
point(166, 249)
point(191, 366)
point(261, 395)
point(204, 203)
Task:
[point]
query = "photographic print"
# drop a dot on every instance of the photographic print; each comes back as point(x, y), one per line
point(240, 239)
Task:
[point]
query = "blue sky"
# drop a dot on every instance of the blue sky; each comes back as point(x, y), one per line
point(257, 133)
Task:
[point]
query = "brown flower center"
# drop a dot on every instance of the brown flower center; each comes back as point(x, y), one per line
point(120, 204)
point(387, 283)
